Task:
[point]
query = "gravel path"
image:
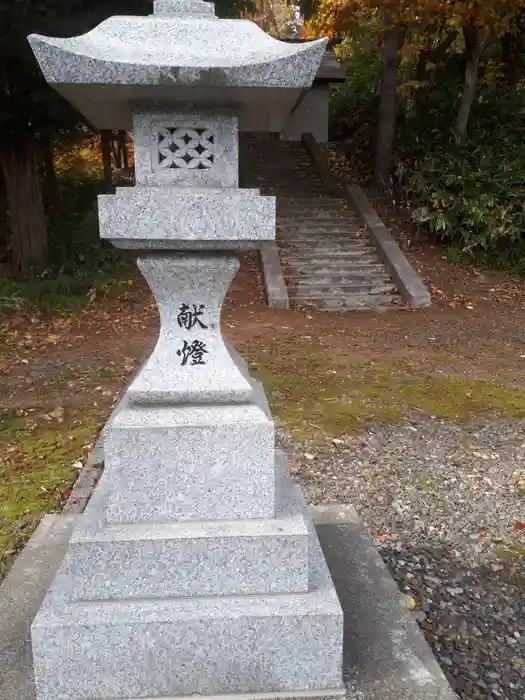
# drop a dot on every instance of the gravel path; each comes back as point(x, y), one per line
point(444, 503)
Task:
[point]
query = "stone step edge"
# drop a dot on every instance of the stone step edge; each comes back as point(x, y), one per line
point(343, 230)
point(224, 555)
point(295, 260)
point(340, 280)
point(284, 524)
point(346, 294)
point(356, 244)
point(375, 304)
point(355, 301)
point(342, 271)
point(300, 258)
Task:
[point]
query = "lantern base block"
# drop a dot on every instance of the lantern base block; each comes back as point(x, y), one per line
point(284, 643)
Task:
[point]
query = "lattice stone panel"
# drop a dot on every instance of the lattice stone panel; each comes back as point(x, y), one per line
point(186, 148)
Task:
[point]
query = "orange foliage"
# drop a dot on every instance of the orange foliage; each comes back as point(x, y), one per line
point(335, 17)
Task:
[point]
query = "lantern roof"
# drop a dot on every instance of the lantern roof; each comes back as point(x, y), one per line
point(183, 54)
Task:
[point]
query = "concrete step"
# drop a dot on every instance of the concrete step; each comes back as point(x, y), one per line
point(340, 254)
point(317, 216)
point(330, 262)
point(303, 170)
point(340, 291)
point(303, 253)
point(305, 205)
point(311, 226)
point(338, 278)
point(284, 169)
point(347, 236)
point(319, 221)
point(283, 166)
point(288, 182)
point(365, 302)
point(273, 192)
point(302, 257)
point(312, 236)
point(291, 185)
point(338, 243)
point(323, 220)
point(270, 155)
point(331, 202)
point(341, 230)
point(331, 253)
point(356, 270)
point(311, 243)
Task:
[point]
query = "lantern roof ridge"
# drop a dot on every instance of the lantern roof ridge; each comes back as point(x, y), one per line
point(141, 50)
point(179, 56)
point(184, 7)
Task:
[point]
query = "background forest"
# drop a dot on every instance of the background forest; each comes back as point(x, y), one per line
point(431, 113)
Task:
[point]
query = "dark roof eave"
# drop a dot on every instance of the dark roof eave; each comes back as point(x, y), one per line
point(327, 81)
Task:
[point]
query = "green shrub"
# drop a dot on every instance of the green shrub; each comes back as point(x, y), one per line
point(80, 264)
point(472, 194)
point(359, 85)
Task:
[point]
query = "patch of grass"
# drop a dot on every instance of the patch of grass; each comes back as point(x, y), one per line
point(315, 394)
point(12, 424)
point(36, 471)
point(108, 373)
point(511, 553)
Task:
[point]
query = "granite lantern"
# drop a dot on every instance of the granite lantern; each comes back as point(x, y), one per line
point(194, 570)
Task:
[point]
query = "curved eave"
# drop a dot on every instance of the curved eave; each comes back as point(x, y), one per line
point(294, 69)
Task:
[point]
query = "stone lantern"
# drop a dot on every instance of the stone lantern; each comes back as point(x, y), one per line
point(194, 570)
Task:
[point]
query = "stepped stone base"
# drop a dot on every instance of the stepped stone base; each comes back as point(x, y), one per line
point(386, 657)
point(230, 557)
point(170, 647)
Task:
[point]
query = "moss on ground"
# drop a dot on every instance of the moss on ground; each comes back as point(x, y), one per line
point(314, 389)
point(317, 394)
point(512, 553)
point(38, 466)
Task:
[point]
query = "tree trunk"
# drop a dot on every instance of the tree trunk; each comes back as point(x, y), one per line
point(115, 150)
point(26, 205)
point(474, 46)
point(511, 48)
point(123, 148)
point(386, 128)
point(51, 182)
point(105, 146)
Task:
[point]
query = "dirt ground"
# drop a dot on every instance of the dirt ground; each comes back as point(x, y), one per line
point(325, 373)
point(476, 316)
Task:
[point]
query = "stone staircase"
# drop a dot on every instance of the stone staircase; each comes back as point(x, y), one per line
point(329, 260)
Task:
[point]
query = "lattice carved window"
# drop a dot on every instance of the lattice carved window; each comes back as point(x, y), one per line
point(188, 149)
